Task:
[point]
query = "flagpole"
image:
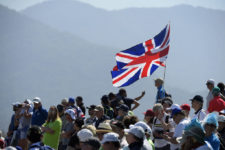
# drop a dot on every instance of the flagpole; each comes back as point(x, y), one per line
point(164, 74)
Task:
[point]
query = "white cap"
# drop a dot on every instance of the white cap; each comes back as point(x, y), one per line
point(144, 126)
point(84, 134)
point(222, 111)
point(28, 101)
point(37, 100)
point(137, 131)
point(110, 137)
point(173, 106)
point(71, 112)
point(211, 81)
point(10, 148)
point(221, 118)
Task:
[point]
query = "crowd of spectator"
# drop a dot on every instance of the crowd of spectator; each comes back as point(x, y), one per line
point(112, 125)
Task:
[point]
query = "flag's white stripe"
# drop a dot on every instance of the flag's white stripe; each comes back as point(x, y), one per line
point(127, 54)
point(122, 74)
point(133, 66)
point(145, 47)
point(123, 60)
point(155, 50)
point(124, 80)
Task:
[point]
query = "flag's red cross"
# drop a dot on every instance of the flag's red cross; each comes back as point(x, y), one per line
point(147, 59)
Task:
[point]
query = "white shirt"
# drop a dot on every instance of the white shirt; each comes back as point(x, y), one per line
point(208, 98)
point(179, 130)
point(200, 115)
point(158, 126)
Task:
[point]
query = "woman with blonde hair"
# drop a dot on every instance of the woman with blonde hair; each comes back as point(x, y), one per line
point(52, 128)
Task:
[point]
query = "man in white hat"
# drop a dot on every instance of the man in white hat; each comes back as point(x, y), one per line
point(39, 114)
point(68, 129)
point(210, 85)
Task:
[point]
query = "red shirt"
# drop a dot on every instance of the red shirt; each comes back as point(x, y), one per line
point(216, 104)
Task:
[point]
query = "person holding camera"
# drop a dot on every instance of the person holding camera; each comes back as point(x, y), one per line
point(181, 121)
point(25, 115)
point(161, 125)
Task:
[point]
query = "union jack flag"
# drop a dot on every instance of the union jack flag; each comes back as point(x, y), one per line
point(141, 60)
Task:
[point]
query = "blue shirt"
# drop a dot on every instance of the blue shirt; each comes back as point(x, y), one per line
point(160, 93)
point(39, 116)
point(214, 141)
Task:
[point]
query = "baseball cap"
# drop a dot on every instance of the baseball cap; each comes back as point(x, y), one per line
point(175, 111)
point(104, 127)
point(110, 137)
point(71, 100)
point(71, 113)
point(99, 108)
point(185, 107)
point(118, 124)
point(144, 126)
point(37, 100)
point(210, 81)
point(173, 106)
point(149, 112)
point(198, 98)
point(94, 142)
point(221, 118)
point(123, 107)
point(167, 100)
point(211, 119)
point(215, 90)
point(136, 131)
point(16, 104)
point(84, 134)
point(91, 107)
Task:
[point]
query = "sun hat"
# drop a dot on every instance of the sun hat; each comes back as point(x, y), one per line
point(99, 108)
point(110, 137)
point(104, 128)
point(84, 134)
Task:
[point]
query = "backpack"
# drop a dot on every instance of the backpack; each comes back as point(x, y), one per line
point(166, 121)
point(108, 111)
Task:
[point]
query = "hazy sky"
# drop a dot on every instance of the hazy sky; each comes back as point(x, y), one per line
point(121, 4)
